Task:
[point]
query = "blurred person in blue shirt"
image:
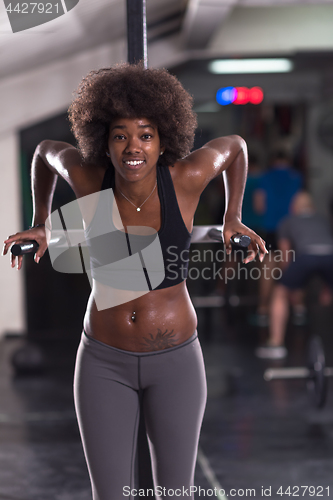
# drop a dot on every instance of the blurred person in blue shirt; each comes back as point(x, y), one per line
point(276, 189)
point(272, 199)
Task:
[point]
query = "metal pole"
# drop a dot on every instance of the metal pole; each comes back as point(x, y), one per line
point(136, 52)
point(137, 32)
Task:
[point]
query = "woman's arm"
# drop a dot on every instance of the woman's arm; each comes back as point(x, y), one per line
point(227, 156)
point(51, 158)
point(235, 175)
point(201, 166)
point(43, 184)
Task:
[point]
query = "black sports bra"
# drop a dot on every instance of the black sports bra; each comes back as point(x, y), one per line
point(109, 246)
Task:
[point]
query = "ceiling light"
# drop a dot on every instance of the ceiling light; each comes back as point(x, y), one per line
point(234, 66)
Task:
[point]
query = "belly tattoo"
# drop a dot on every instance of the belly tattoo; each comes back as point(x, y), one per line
point(161, 340)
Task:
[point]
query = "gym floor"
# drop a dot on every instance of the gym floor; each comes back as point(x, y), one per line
point(255, 434)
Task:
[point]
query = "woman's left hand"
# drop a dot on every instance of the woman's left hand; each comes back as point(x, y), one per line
point(257, 245)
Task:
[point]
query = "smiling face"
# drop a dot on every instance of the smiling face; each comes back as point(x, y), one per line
point(134, 147)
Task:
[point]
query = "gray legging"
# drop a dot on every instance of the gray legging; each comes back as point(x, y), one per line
point(109, 384)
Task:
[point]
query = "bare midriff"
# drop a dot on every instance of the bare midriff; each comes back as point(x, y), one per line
point(162, 319)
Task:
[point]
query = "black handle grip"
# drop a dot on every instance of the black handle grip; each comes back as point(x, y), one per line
point(29, 246)
point(240, 240)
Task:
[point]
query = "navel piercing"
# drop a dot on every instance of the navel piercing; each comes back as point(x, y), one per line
point(133, 316)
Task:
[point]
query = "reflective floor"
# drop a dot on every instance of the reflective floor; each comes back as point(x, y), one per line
point(256, 436)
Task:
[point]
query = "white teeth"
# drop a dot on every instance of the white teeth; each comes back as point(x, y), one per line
point(133, 162)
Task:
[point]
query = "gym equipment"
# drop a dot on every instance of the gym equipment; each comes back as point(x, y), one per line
point(28, 359)
point(75, 237)
point(22, 248)
point(212, 234)
point(239, 240)
point(137, 32)
point(201, 234)
point(315, 374)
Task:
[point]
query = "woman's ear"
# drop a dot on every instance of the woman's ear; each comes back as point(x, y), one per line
point(162, 150)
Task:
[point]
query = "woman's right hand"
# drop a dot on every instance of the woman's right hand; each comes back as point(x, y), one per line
point(36, 233)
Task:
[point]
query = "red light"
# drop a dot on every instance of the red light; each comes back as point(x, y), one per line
point(242, 95)
point(256, 95)
point(239, 95)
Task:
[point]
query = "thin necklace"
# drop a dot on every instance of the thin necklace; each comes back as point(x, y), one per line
point(138, 209)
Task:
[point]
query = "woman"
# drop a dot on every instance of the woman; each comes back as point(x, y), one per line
point(135, 129)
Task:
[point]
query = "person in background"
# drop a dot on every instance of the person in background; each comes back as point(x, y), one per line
point(306, 242)
point(272, 202)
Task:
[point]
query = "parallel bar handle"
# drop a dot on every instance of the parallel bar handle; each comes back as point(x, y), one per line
point(240, 240)
point(29, 246)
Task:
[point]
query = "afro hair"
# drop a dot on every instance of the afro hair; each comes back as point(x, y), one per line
point(131, 91)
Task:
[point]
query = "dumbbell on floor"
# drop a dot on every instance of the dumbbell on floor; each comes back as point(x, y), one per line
point(315, 374)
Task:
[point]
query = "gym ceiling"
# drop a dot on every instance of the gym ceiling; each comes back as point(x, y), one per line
point(189, 29)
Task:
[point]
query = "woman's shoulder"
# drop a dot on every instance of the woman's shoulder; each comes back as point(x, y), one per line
point(193, 172)
point(65, 160)
point(86, 178)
